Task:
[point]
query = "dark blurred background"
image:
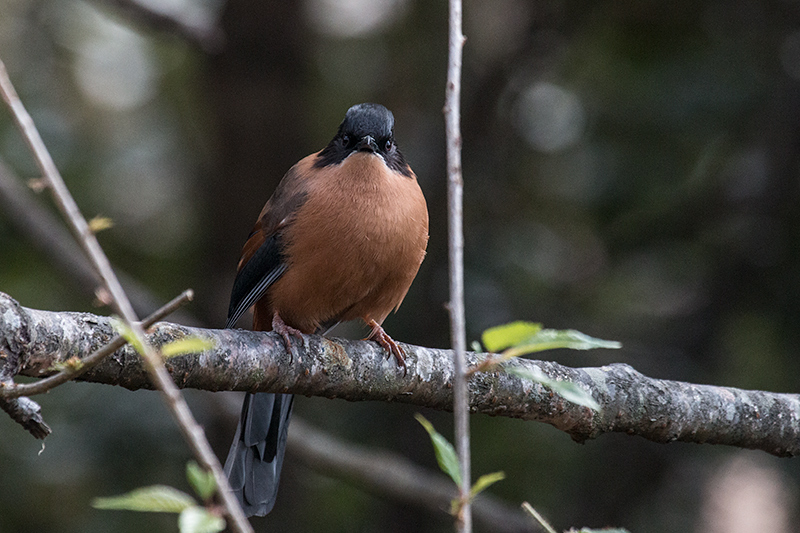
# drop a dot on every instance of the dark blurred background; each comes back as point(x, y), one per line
point(631, 171)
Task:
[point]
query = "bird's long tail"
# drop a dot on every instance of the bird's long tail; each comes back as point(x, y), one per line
point(254, 461)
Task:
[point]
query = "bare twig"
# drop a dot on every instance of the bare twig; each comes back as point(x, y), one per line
point(659, 410)
point(455, 192)
point(72, 371)
point(539, 518)
point(192, 432)
point(28, 414)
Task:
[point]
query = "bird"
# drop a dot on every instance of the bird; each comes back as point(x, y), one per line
point(341, 238)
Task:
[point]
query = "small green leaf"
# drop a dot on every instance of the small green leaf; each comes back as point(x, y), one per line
point(73, 363)
point(501, 337)
point(190, 344)
point(445, 453)
point(155, 499)
point(455, 505)
point(484, 482)
point(100, 223)
point(573, 393)
point(127, 333)
point(202, 481)
point(198, 520)
point(550, 339)
point(533, 374)
point(566, 389)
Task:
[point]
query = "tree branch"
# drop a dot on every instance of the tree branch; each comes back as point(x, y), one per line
point(73, 371)
point(455, 194)
point(13, 338)
point(658, 410)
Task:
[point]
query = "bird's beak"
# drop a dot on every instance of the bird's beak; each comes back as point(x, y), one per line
point(367, 144)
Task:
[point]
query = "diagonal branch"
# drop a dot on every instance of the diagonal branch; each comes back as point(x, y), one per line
point(192, 432)
point(658, 410)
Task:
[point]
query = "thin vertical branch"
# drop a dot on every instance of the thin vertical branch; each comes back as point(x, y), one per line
point(192, 432)
point(455, 193)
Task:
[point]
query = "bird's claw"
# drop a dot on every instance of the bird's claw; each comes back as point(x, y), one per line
point(392, 348)
point(286, 332)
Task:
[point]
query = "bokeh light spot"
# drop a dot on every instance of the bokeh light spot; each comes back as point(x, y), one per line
point(354, 18)
point(550, 117)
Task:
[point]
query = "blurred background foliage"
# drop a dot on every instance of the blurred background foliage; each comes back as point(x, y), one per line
point(631, 171)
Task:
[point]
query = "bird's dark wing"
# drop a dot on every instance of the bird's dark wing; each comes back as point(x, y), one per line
point(263, 269)
point(262, 262)
point(254, 461)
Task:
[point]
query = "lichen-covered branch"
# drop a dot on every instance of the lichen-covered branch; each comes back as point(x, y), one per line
point(13, 339)
point(658, 410)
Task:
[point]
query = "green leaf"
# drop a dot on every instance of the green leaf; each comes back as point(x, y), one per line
point(127, 333)
point(532, 374)
point(573, 393)
point(73, 363)
point(202, 481)
point(501, 337)
point(549, 339)
point(484, 482)
point(566, 389)
point(190, 344)
point(445, 453)
point(198, 520)
point(100, 223)
point(155, 499)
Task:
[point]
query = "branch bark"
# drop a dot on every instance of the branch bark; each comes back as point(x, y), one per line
point(658, 410)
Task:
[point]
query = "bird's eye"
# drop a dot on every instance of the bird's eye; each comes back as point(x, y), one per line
point(345, 139)
point(389, 145)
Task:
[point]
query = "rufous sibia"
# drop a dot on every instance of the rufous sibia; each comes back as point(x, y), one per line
point(341, 238)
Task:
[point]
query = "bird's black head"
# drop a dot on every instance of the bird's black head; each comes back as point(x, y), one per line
point(365, 128)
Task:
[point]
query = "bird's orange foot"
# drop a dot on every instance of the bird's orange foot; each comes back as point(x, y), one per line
point(381, 337)
point(286, 331)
